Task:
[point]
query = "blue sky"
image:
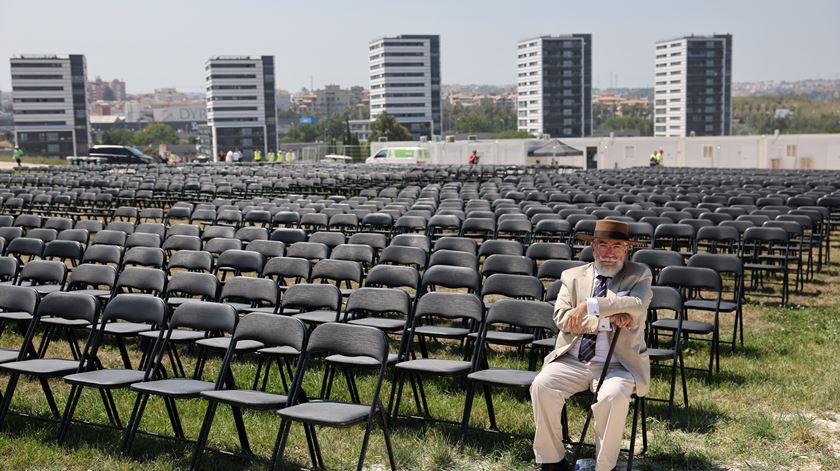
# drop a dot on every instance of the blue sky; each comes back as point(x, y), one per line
point(154, 43)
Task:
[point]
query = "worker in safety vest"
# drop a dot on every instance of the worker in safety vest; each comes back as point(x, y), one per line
point(271, 157)
point(257, 155)
point(654, 159)
point(661, 157)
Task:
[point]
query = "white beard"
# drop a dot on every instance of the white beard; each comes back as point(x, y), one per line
point(608, 272)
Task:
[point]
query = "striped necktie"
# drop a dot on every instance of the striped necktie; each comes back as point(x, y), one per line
point(587, 342)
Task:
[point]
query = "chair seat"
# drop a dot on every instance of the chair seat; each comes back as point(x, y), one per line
point(222, 343)
point(359, 361)
point(660, 353)
point(247, 398)
point(15, 316)
point(763, 267)
point(694, 327)
point(550, 342)
point(316, 317)
point(42, 366)
point(436, 367)
point(177, 301)
point(504, 376)
point(709, 305)
point(62, 322)
point(280, 351)
point(441, 331)
point(330, 413)
point(178, 336)
point(345, 292)
point(240, 307)
point(43, 289)
point(7, 355)
point(380, 323)
point(125, 329)
point(93, 292)
point(176, 387)
point(503, 337)
point(107, 378)
point(266, 310)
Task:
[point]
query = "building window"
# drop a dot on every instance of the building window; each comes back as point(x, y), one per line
point(708, 152)
point(629, 152)
point(790, 151)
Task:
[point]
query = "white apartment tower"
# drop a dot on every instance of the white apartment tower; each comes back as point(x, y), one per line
point(405, 81)
point(50, 105)
point(241, 109)
point(554, 85)
point(693, 86)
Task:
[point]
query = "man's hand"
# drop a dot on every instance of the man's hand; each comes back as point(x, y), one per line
point(622, 320)
point(574, 319)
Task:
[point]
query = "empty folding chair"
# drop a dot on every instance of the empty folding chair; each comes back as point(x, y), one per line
point(348, 340)
point(278, 333)
point(542, 251)
point(45, 276)
point(57, 305)
point(25, 248)
point(132, 310)
point(312, 251)
point(668, 299)
point(191, 317)
point(314, 303)
point(65, 251)
point(144, 257)
point(238, 262)
point(656, 260)
point(527, 316)
point(268, 248)
point(281, 269)
point(510, 264)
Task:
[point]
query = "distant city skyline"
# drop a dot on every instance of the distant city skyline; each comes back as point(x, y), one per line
point(158, 44)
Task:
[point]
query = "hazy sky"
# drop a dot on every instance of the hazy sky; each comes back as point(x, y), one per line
point(153, 43)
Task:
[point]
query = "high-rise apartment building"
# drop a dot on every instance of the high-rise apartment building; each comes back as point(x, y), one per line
point(99, 90)
point(693, 86)
point(405, 81)
point(50, 106)
point(554, 85)
point(241, 109)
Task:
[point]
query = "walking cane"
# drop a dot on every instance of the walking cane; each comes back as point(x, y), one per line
point(576, 453)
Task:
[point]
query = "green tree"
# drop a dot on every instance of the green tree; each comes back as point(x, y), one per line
point(118, 137)
point(155, 134)
point(514, 135)
point(483, 117)
point(388, 127)
point(108, 94)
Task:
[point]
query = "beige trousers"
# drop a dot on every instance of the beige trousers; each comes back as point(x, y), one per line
point(564, 377)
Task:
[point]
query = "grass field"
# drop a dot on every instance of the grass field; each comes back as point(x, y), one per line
point(774, 405)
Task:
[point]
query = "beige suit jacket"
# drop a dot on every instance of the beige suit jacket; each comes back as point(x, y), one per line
point(633, 283)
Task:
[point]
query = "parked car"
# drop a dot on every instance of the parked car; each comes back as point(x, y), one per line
point(120, 155)
point(400, 155)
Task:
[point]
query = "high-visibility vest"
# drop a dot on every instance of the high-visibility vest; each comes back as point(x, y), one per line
point(257, 156)
point(271, 156)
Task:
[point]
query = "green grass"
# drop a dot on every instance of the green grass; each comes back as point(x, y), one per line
point(37, 160)
point(760, 412)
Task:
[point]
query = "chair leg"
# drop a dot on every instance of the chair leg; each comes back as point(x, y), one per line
point(259, 371)
point(174, 417)
point(240, 430)
point(387, 434)
point(108, 410)
point(317, 447)
point(465, 420)
point(365, 442)
point(133, 423)
point(280, 443)
point(684, 385)
point(631, 450)
point(201, 441)
point(45, 385)
point(488, 399)
point(69, 408)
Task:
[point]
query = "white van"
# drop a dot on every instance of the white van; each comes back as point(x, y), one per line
point(400, 155)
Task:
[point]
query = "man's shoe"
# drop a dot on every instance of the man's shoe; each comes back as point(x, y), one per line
point(563, 465)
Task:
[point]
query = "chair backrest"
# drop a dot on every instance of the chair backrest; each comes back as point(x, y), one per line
point(513, 286)
point(549, 251)
point(148, 280)
point(460, 244)
point(201, 315)
point(379, 301)
point(666, 297)
point(254, 290)
point(451, 277)
point(268, 248)
point(522, 313)
point(449, 305)
point(349, 340)
point(109, 237)
point(403, 255)
point(288, 267)
point(144, 257)
point(193, 284)
point(69, 305)
point(39, 272)
point(142, 239)
point(553, 269)
point(240, 261)
point(18, 299)
point(393, 276)
point(337, 270)
point(691, 277)
point(135, 308)
point(511, 264)
point(181, 242)
point(412, 240)
point(312, 296)
point(311, 251)
point(502, 247)
point(454, 258)
point(272, 331)
point(89, 275)
point(191, 260)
